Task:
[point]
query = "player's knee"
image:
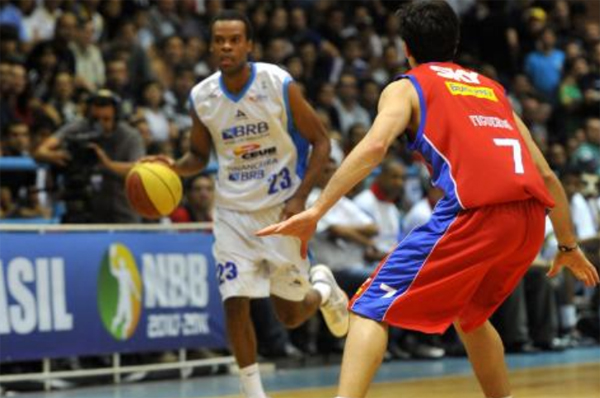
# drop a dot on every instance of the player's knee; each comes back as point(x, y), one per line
point(292, 322)
point(290, 319)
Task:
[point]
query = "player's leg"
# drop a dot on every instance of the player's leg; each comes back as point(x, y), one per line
point(486, 353)
point(241, 276)
point(507, 268)
point(365, 346)
point(406, 290)
point(299, 290)
point(240, 330)
point(242, 340)
point(294, 313)
point(295, 299)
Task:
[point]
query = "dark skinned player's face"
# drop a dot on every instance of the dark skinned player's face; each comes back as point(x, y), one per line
point(230, 46)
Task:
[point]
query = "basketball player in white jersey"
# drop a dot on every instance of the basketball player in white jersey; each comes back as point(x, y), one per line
point(248, 112)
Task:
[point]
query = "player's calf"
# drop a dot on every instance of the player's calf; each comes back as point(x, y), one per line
point(294, 313)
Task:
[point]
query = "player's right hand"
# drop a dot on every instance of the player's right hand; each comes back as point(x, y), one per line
point(158, 158)
point(301, 226)
point(578, 264)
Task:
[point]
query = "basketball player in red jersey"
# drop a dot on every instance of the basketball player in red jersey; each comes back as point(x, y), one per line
point(485, 232)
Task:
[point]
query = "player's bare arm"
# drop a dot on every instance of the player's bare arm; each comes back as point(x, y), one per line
point(560, 217)
point(196, 159)
point(397, 107)
point(191, 163)
point(314, 132)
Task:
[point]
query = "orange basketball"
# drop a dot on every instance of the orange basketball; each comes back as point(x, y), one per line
point(153, 189)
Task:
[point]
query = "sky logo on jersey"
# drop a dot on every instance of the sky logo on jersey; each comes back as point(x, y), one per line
point(247, 130)
point(472, 91)
point(459, 75)
point(119, 292)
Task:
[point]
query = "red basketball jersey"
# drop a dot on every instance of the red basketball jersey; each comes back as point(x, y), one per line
point(469, 136)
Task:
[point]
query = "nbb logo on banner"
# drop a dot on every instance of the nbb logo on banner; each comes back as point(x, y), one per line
point(144, 292)
point(119, 292)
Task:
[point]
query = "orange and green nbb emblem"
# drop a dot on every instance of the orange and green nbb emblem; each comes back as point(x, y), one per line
point(119, 292)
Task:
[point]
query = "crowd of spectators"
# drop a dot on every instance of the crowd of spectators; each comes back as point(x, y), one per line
point(58, 53)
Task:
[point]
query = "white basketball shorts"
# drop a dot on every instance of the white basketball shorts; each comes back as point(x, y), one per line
point(251, 266)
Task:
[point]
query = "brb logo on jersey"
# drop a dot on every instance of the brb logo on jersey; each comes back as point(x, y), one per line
point(241, 176)
point(253, 151)
point(119, 292)
point(246, 130)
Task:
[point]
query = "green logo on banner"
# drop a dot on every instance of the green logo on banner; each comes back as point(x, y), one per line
point(119, 292)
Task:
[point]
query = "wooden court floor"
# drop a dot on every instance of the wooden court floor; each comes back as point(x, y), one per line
point(565, 381)
point(572, 373)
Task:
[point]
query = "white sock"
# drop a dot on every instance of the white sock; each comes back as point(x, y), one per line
point(251, 383)
point(321, 286)
point(324, 290)
point(568, 316)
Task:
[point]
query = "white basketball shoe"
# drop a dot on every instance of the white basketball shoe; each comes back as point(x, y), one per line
point(335, 309)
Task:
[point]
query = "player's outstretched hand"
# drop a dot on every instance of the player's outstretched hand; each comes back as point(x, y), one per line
point(301, 226)
point(579, 265)
point(158, 158)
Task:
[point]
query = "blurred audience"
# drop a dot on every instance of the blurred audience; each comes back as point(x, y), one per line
point(198, 205)
point(381, 202)
point(343, 237)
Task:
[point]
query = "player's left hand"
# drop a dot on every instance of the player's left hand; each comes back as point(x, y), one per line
point(301, 226)
point(293, 206)
point(579, 265)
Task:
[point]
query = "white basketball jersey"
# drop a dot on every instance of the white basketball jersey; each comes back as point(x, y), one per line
point(261, 155)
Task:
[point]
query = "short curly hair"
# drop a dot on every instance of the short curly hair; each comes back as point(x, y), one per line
point(233, 15)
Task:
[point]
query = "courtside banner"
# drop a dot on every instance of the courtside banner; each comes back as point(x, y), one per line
point(71, 293)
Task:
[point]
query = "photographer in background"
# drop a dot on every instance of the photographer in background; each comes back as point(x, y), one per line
point(91, 189)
